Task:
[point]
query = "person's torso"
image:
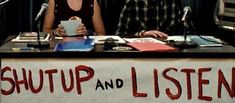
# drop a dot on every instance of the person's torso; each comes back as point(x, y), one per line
point(64, 12)
point(161, 15)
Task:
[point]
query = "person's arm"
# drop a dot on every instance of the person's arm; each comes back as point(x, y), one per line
point(152, 33)
point(97, 20)
point(122, 28)
point(136, 28)
point(49, 17)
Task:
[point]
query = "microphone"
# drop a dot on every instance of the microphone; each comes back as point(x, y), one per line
point(1, 3)
point(39, 44)
point(185, 43)
point(43, 8)
point(187, 11)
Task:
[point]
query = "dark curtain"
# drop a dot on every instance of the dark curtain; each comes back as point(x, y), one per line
point(14, 18)
point(203, 15)
point(110, 11)
point(2, 25)
point(19, 15)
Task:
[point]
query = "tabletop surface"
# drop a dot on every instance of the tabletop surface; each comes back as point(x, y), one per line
point(6, 51)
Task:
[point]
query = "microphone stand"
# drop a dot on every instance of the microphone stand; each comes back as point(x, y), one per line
point(186, 31)
point(40, 45)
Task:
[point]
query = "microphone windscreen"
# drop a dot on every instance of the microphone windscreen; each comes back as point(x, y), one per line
point(187, 8)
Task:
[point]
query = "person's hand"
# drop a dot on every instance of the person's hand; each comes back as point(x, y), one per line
point(59, 31)
point(81, 30)
point(153, 33)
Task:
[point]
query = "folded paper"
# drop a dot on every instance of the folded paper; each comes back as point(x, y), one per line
point(70, 26)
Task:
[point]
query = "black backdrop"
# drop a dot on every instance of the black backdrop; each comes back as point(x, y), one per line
point(18, 15)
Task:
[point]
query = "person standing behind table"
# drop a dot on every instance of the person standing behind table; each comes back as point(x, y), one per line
point(150, 18)
point(87, 10)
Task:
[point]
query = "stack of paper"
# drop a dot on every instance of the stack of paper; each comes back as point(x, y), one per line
point(31, 37)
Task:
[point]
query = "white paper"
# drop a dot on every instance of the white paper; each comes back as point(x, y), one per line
point(70, 26)
point(149, 39)
point(177, 38)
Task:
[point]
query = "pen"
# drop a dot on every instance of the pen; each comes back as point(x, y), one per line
point(26, 48)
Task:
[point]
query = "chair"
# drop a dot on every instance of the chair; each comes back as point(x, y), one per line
point(224, 14)
point(224, 17)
